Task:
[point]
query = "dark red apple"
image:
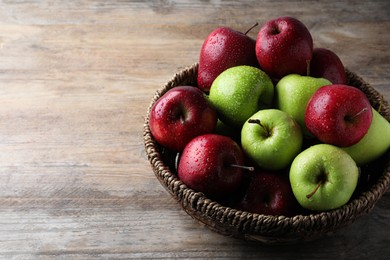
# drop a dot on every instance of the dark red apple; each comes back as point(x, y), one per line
point(224, 48)
point(269, 193)
point(211, 164)
point(284, 46)
point(338, 115)
point(181, 114)
point(326, 64)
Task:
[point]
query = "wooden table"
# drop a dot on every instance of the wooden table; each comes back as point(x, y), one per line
point(76, 78)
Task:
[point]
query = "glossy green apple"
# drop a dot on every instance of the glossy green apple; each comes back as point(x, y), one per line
point(323, 177)
point(374, 143)
point(239, 92)
point(293, 92)
point(271, 138)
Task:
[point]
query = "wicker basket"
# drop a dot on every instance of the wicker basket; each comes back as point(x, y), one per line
point(263, 228)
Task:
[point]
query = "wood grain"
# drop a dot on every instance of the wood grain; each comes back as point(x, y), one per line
point(76, 78)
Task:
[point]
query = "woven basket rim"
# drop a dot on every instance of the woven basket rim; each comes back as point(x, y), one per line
point(259, 227)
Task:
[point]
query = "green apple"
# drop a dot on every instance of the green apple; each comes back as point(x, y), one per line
point(271, 138)
point(374, 143)
point(239, 92)
point(293, 92)
point(323, 177)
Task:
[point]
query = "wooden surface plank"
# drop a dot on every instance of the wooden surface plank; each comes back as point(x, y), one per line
point(76, 78)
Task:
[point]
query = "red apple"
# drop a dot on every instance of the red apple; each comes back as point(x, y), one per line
point(211, 164)
point(181, 114)
point(284, 46)
point(326, 64)
point(224, 48)
point(338, 115)
point(269, 193)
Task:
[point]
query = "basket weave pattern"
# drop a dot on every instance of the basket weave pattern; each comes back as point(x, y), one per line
point(255, 227)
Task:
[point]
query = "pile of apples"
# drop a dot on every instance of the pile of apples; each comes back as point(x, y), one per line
point(271, 127)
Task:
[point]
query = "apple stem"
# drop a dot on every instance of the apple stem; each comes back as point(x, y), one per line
point(308, 68)
point(315, 190)
point(253, 26)
point(257, 121)
point(359, 113)
point(249, 168)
